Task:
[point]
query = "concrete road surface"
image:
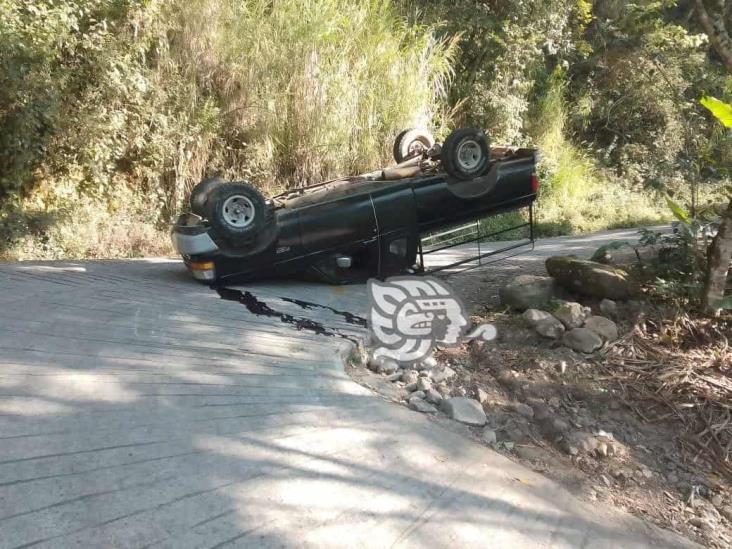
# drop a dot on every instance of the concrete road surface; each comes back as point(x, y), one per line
point(140, 409)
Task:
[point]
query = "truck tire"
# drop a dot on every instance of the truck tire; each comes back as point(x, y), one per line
point(410, 143)
point(466, 153)
point(237, 211)
point(200, 194)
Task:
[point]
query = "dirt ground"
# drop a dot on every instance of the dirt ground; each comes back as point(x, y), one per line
point(571, 417)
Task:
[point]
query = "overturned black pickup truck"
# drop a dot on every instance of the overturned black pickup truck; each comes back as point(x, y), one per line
point(354, 228)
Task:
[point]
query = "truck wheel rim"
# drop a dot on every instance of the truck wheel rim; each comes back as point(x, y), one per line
point(469, 155)
point(416, 147)
point(238, 211)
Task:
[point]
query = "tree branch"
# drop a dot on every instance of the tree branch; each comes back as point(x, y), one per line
point(713, 25)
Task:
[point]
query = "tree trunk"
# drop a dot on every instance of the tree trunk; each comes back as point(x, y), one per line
point(718, 259)
point(714, 25)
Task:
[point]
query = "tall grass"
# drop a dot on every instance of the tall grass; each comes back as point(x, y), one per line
point(576, 194)
point(312, 89)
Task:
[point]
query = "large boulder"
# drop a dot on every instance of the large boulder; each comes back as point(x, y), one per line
point(527, 292)
point(590, 278)
point(582, 340)
point(465, 410)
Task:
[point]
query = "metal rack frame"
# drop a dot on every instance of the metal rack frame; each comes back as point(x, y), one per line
point(478, 237)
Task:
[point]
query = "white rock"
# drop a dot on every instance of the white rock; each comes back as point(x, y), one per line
point(481, 395)
point(571, 314)
point(429, 362)
point(388, 366)
point(424, 384)
point(410, 376)
point(442, 374)
point(533, 316)
point(604, 327)
point(465, 410)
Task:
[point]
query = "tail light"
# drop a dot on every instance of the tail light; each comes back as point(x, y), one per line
point(534, 183)
point(202, 270)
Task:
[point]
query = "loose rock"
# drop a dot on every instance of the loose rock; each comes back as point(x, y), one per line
point(420, 405)
point(579, 441)
point(534, 316)
point(489, 436)
point(604, 327)
point(388, 366)
point(433, 396)
point(410, 376)
point(571, 314)
point(424, 384)
point(550, 327)
point(582, 340)
point(443, 374)
point(465, 410)
point(530, 453)
point(522, 409)
point(375, 363)
point(609, 308)
point(527, 291)
point(429, 362)
point(480, 395)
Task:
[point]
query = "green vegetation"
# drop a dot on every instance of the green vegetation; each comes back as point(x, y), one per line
point(111, 110)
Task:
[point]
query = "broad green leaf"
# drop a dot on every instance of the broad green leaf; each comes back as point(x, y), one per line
point(722, 111)
point(678, 211)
